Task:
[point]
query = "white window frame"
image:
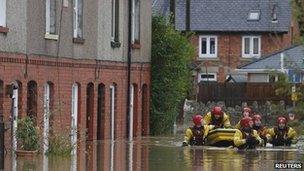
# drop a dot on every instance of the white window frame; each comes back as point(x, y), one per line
point(134, 18)
point(251, 55)
point(112, 111)
point(205, 79)
point(113, 21)
point(76, 24)
point(3, 13)
point(48, 34)
point(207, 55)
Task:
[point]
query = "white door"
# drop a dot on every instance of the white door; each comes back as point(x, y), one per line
point(74, 115)
point(46, 117)
point(131, 112)
point(15, 118)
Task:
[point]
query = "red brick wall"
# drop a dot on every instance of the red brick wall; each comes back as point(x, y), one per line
point(63, 73)
point(230, 50)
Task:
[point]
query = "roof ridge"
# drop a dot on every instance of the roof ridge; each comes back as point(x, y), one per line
point(269, 55)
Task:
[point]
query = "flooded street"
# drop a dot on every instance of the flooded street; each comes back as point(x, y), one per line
point(155, 153)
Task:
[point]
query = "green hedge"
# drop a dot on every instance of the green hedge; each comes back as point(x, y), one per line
point(171, 76)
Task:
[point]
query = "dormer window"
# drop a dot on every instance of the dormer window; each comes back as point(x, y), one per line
point(254, 15)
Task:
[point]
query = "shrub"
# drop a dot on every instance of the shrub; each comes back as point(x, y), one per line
point(27, 135)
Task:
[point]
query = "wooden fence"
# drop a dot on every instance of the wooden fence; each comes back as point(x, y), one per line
point(236, 93)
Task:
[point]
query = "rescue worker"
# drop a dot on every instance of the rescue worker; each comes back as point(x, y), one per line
point(246, 137)
point(282, 134)
point(196, 135)
point(257, 125)
point(246, 113)
point(217, 118)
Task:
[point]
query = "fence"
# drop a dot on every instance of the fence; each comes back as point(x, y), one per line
point(236, 93)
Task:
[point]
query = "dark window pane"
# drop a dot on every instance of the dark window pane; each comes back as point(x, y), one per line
point(204, 46)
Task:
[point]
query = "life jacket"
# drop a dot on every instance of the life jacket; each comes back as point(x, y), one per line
point(198, 135)
point(280, 133)
point(245, 136)
point(218, 123)
point(261, 130)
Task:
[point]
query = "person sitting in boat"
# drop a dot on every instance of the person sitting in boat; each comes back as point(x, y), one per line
point(246, 113)
point(196, 134)
point(282, 134)
point(246, 137)
point(257, 125)
point(217, 118)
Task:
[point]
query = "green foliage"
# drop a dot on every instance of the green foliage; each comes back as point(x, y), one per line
point(171, 76)
point(60, 145)
point(298, 10)
point(27, 135)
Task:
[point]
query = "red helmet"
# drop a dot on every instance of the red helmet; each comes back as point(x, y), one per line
point(245, 122)
point(197, 119)
point(256, 117)
point(281, 120)
point(217, 111)
point(247, 109)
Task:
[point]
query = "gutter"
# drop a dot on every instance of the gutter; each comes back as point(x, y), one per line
point(129, 66)
point(257, 70)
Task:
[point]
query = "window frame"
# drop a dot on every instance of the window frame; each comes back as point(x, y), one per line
point(208, 55)
point(48, 17)
point(135, 21)
point(251, 47)
point(207, 79)
point(76, 25)
point(3, 14)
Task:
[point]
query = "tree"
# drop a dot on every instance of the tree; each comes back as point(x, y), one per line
point(171, 76)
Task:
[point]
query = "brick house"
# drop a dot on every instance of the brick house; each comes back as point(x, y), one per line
point(231, 33)
point(70, 64)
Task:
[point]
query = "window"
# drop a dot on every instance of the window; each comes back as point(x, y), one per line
point(50, 16)
point(78, 19)
point(3, 13)
point(254, 15)
point(208, 46)
point(207, 77)
point(114, 25)
point(272, 78)
point(135, 21)
point(251, 46)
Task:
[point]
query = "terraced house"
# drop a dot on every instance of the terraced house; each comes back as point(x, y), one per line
point(230, 33)
point(79, 66)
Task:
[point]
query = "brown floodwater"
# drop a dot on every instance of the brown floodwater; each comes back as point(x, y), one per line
point(154, 153)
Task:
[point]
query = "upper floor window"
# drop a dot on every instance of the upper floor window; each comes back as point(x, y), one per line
point(135, 21)
point(208, 46)
point(78, 19)
point(114, 23)
point(251, 46)
point(3, 13)
point(50, 16)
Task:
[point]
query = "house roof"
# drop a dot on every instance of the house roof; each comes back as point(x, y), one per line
point(293, 58)
point(232, 15)
point(161, 7)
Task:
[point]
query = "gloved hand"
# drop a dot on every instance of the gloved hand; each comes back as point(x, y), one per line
point(252, 141)
point(288, 141)
point(185, 144)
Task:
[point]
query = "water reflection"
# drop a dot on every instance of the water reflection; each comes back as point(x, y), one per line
point(152, 154)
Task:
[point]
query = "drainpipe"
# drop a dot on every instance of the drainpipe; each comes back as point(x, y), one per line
point(129, 66)
point(188, 18)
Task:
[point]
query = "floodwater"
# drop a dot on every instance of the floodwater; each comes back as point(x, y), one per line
point(154, 153)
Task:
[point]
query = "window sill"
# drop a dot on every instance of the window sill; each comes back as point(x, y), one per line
point(115, 44)
point(135, 46)
point(51, 36)
point(78, 40)
point(4, 29)
point(208, 58)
